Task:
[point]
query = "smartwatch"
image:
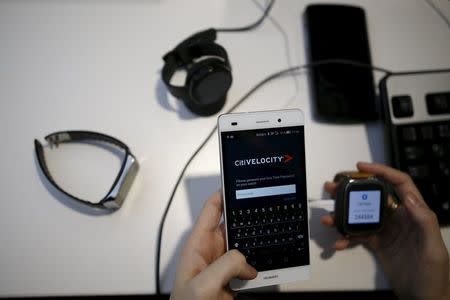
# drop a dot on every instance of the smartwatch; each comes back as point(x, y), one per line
point(361, 200)
point(113, 200)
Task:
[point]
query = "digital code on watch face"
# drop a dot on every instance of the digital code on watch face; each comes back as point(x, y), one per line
point(364, 207)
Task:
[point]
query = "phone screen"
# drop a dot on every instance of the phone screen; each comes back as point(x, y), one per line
point(342, 92)
point(364, 207)
point(265, 195)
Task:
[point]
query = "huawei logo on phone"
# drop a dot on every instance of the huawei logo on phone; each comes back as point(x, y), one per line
point(286, 158)
point(271, 276)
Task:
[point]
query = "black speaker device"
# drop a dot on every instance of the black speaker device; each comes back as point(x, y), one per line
point(208, 73)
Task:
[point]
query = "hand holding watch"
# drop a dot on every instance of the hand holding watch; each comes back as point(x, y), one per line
point(361, 203)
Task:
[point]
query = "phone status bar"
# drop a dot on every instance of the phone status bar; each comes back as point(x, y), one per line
point(269, 132)
point(277, 132)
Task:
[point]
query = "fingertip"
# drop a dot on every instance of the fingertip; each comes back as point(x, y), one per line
point(216, 196)
point(248, 271)
point(363, 165)
point(251, 272)
point(330, 188)
point(327, 220)
point(228, 266)
point(329, 185)
point(341, 244)
point(248, 274)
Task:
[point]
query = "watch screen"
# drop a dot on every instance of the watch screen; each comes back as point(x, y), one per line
point(364, 207)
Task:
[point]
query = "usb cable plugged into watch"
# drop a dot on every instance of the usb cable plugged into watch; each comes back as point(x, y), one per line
point(116, 195)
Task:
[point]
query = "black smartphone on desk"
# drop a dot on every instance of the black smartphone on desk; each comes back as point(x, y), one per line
point(341, 92)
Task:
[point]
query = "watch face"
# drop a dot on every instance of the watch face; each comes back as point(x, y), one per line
point(211, 86)
point(365, 203)
point(364, 207)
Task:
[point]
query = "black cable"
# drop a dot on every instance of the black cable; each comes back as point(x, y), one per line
point(239, 102)
point(439, 12)
point(161, 226)
point(251, 26)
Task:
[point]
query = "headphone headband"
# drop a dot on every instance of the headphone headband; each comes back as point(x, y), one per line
point(205, 36)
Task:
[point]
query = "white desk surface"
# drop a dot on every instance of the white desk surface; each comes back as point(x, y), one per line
point(95, 65)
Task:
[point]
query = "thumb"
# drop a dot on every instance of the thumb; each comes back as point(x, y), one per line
point(230, 265)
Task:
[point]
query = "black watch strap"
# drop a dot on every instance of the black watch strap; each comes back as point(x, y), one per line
point(54, 139)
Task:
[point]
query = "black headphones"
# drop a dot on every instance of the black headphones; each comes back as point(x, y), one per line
point(208, 73)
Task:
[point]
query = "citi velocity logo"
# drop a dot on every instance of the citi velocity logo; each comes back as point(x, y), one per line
point(286, 158)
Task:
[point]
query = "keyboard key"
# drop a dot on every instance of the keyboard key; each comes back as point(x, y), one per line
point(402, 106)
point(438, 150)
point(426, 132)
point(444, 169)
point(419, 171)
point(409, 134)
point(414, 152)
point(438, 103)
point(444, 131)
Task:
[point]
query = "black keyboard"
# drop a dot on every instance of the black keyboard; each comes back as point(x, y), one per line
point(271, 237)
point(417, 118)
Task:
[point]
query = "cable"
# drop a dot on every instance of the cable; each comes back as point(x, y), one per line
point(161, 227)
point(251, 26)
point(287, 50)
point(439, 12)
point(237, 104)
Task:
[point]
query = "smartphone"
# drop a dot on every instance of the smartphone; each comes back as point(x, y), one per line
point(341, 93)
point(264, 191)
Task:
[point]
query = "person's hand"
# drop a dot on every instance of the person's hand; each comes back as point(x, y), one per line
point(205, 269)
point(410, 247)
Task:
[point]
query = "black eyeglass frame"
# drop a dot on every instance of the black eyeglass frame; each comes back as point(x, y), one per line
point(124, 179)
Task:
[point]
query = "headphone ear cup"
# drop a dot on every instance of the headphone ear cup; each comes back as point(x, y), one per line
point(208, 82)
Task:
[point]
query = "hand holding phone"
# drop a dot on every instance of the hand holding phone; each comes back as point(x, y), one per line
point(264, 192)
